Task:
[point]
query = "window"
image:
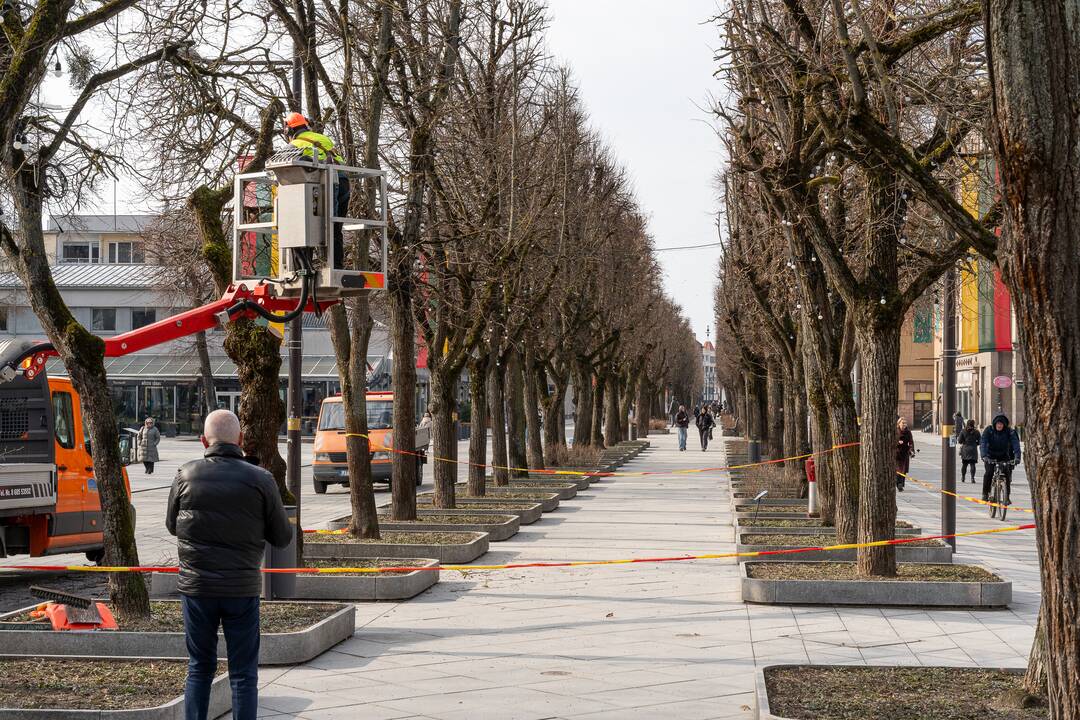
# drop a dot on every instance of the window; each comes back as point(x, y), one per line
point(103, 320)
point(126, 253)
point(63, 419)
point(141, 317)
point(3, 319)
point(81, 252)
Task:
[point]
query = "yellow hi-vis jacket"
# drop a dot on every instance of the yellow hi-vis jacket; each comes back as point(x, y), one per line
point(316, 145)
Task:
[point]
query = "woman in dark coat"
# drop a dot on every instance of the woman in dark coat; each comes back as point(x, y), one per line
point(905, 449)
point(969, 450)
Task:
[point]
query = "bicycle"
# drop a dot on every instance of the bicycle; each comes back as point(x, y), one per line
point(998, 490)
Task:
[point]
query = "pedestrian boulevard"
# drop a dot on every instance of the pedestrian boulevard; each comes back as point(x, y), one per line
point(668, 640)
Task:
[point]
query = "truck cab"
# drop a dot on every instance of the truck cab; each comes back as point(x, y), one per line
point(330, 465)
point(49, 501)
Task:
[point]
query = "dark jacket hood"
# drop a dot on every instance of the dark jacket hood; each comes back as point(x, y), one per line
point(1000, 418)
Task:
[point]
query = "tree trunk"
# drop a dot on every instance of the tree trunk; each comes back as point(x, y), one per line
point(206, 374)
point(442, 405)
point(1034, 50)
point(403, 373)
point(497, 407)
point(774, 380)
point(821, 440)
point(554, 430)
point(1035, 679)
point(532, 376)
point(877, 336)
point(599, 389)
point(794, 440)
point(478, 399)
point(84, 357)
point(515, 414)
point(257, 354)
point(644, 407)
point(350, 336)
point(583, 414)
point(612, 421)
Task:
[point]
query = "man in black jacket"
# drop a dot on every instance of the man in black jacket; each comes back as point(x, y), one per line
point(222, 510)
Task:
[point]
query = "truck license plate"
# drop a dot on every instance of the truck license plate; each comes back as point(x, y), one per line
point(16, 491)
point(343, 473)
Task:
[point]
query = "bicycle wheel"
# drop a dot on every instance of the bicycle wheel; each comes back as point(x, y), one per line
point(1004, 508)
point(994, 500)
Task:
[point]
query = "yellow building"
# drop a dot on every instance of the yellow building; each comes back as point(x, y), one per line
point(915, 400)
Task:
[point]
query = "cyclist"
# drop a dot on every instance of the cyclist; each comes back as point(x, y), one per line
point(999, 443)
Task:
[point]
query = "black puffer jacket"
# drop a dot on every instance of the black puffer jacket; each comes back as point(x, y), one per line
point(222, 510)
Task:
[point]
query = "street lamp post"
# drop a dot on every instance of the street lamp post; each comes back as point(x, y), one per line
point(948, 409)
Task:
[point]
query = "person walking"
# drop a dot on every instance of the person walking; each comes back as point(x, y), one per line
point(969, 450)
point(223, 510)
point(958, 425)
point(146, 442)
point(705, 425)
point(905, 450)
point(682, 421)
point(999, 443)
point(673, 410)
point(425, 421)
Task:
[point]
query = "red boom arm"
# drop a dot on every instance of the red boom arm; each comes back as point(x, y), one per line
point(189, 322)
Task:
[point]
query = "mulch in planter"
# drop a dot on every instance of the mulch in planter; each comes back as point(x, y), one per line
point(488, 502)
point(451, 519)
point(273, 617)
point(796, 522)
point(815, 540)
point(361, 563)
point(40, 683)
point(394, 537)
point(751, 508)
point(849, 571)
point(899, 693)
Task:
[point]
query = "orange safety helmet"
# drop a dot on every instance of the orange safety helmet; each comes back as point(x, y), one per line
point(295, 120)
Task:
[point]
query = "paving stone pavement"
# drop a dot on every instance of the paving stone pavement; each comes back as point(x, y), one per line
point(670, 640)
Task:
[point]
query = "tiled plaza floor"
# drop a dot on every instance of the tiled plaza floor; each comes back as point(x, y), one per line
point(670, 640)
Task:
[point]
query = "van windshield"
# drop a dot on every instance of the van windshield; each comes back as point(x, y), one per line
point(380, 415)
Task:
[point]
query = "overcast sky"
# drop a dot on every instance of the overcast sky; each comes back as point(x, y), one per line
point(645, 69)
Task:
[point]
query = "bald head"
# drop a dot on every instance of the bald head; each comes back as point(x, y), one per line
point(222, 426)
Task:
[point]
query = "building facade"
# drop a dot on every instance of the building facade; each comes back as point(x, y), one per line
point(99, 266)
point(915, 400)
point(709, 390)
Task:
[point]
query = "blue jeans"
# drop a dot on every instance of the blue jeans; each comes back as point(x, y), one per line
point(682, 438)
point(239, 619)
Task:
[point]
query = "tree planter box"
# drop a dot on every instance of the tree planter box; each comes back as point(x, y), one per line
point(565, 490)
point(290, 648)
point(582, 482)
point(548, 501)
point(917, 593)
point(779, 530)
point(220, 702)
point(369, 586)
point(525, 517)
point(938, 554)
point(445, 554)
point(741, 504)
point(498, 530)
point(761, 690)
point(770, 515)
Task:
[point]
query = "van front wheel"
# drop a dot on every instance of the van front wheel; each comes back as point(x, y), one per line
point(320, 487)
point(96, 556)
point(419, 472)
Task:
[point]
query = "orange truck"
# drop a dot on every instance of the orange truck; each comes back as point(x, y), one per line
point(49, 500)
point(330, 466)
